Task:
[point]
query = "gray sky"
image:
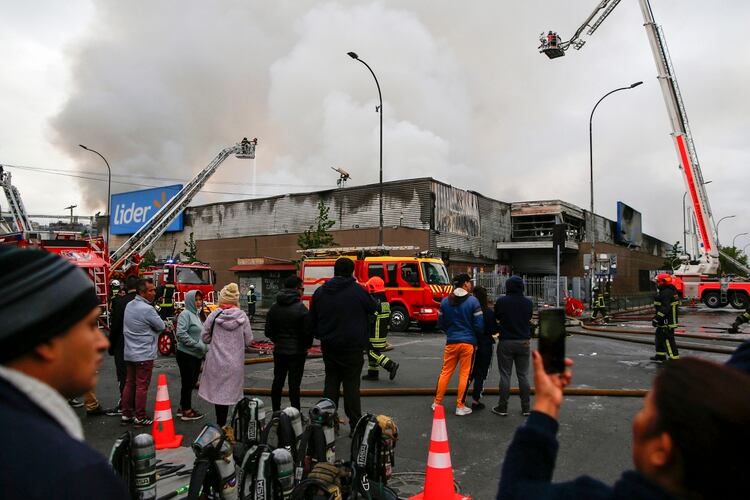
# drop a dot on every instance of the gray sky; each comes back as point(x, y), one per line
point(159, 87)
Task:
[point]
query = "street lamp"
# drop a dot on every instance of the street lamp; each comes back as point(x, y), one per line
point(717, 228)
point(591, 180)
point(378, 109)
point(109, 190)
point(735, 238)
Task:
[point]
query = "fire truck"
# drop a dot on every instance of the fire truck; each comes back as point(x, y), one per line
point(92, 254)
point(414, 286)
point(185, 277)
point(696, 279)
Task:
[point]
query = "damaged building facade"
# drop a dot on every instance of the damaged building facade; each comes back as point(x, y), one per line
point(255, 241)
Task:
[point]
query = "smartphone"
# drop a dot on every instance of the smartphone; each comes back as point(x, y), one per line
point(552, 339)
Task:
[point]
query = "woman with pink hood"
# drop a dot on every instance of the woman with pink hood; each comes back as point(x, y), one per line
point(226, 332)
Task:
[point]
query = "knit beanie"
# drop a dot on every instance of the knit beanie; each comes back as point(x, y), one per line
point(43, 295)
point(230, 294)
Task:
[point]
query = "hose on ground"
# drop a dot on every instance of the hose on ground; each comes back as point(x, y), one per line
point(430, 391)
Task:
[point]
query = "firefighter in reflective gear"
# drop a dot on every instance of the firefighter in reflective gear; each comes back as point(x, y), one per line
point(600, 305)
point(251, 300)
point(666, 302)
point(165, 296)
point(381, 322)
point(742, 318)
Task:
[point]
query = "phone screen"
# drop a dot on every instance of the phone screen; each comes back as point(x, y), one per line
point(552, 339)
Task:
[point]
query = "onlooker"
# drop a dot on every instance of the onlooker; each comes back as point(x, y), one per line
point(286, 328)
point(141, 328)
point(339, 314)
point(227, 333)
point(513, 313)
point(116, 339)
point(190, 352)
point(690, 440)
point(485, 342)
point(50, 350)
point(461, 319)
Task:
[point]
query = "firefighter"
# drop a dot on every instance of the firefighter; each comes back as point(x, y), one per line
point(665, 320)
point(742, 318)
point(165, 296)
point(600, 305)
point(379, 326)
point(251, 300)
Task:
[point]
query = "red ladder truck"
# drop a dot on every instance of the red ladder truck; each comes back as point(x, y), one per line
point(697, 279)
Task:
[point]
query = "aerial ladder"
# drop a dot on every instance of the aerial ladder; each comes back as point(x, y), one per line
point(17, 210)
point(152, 230)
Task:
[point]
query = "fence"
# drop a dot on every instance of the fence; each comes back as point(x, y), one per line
point(540, 289)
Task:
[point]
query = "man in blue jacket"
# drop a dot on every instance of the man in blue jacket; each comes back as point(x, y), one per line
point(513, 314)
point(340, 311)
point(50, 350)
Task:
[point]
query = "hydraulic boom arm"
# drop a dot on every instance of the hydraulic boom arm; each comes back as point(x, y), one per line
point(154, 228)
point(708, 262)
point(17, 210)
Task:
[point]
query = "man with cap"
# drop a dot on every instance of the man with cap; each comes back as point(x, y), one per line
point(462, 320)
point(50, 349)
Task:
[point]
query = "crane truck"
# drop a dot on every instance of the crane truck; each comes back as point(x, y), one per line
point(696, 279)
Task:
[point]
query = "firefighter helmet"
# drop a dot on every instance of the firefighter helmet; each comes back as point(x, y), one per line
point(663, 279)
point(114, 284)
point(376, 285)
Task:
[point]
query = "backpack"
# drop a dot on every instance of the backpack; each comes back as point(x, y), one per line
point(373, 456)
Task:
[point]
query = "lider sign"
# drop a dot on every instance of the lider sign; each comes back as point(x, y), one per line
point(130, 211)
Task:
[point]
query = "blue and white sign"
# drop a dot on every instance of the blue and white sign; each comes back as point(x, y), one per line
point(130, 211)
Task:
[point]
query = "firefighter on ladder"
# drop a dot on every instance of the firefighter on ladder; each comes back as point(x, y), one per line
point(600, 305)
point(379, 332)
point(665, 320)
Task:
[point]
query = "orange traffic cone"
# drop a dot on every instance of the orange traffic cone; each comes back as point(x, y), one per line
point(438, 482)
point(163, 428)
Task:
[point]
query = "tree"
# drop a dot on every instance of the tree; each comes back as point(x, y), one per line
point(672, 259)
point(317, 235)
point(191, 249)
point(736, 254)
point(149, 259)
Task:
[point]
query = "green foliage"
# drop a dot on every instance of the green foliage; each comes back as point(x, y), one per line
point(737, 254)
point(672, 259)
point(317, 235)
point(191, 249)
point(149, 259)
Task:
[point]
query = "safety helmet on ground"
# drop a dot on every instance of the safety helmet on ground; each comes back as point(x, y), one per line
point(663, 279)
point(114, 284)
point(376, 285)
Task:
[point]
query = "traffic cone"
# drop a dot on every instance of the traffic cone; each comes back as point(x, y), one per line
point(438, 481)
point(163, 427)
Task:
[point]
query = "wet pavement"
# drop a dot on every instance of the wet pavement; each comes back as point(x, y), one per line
point(594, 436)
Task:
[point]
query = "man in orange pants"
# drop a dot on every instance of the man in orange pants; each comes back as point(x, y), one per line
point(461, 319)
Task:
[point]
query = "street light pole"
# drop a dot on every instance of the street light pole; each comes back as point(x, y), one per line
point(109, 191)
point(684, 225)
point(379, 109)
point(591, 183)
point(717, 228)
point(735, 238)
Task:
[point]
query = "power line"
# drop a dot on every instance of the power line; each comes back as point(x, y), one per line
point(65, 173)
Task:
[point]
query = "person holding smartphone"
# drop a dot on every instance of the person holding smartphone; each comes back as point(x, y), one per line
point(690, 440)
point(513, 314)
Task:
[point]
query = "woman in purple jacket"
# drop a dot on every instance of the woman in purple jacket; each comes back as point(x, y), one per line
point(226, 332)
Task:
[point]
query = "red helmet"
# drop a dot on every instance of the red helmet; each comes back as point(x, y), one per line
point(376, 285)
point(663, 279)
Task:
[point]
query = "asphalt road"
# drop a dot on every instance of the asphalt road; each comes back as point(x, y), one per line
point(595, 432)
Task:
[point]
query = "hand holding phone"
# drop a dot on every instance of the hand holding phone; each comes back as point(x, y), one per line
point(552, 339)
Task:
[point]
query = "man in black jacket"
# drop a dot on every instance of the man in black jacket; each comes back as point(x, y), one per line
point(50, 350)
point(513, 315)
point(339, 314)
point(116, 338)
point(286, 328)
